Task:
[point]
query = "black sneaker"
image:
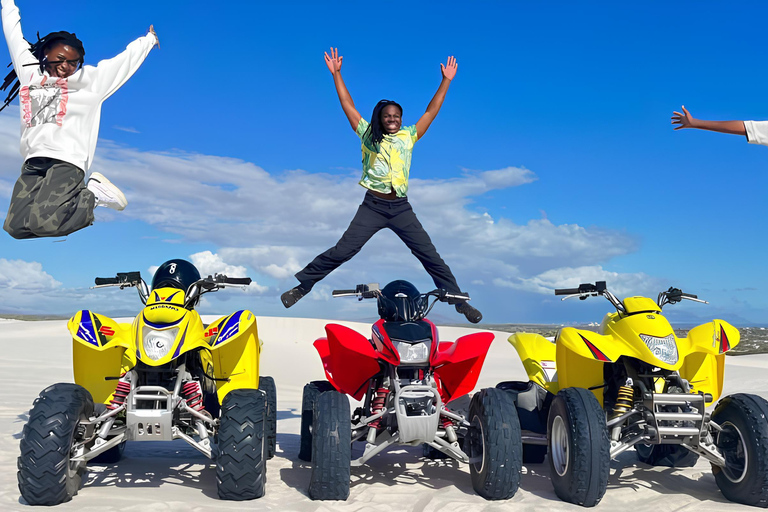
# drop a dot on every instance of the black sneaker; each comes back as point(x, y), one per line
point(292, 296)
point(472, 314)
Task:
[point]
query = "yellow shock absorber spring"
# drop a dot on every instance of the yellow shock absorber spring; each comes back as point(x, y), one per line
point(624, 401)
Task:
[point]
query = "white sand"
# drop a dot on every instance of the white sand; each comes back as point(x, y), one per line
point(173, 476)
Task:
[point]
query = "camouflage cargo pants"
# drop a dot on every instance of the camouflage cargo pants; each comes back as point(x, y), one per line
point(49, 199)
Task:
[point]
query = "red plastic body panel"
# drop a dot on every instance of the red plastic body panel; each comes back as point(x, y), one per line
point(348, 358)
point(384, 346)
point(457, 365)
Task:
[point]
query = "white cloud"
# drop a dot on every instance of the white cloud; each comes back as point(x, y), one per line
point(209, 264)
point(25, 276)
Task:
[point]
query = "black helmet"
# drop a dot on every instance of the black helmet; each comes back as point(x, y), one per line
point(176, 274)
point(399, 302)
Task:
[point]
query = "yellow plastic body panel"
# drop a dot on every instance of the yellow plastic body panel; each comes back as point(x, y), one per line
point(538, 356)
point(165, 306)
point(188, 328)
point(703, 366)
point(235, 352)
point(99, 350)
point(641, 305)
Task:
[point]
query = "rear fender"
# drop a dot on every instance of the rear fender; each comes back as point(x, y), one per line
point(457, 365)
point(539, 356)
point(235, 350)
point(703, 367)
point(99, 351)
point(580, 356)
point(348, 358)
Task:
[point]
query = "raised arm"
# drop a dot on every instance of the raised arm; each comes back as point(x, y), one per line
point(686, 120)
point(449, 71)
point(333, 61)
point(114, 72)
point(17, 45)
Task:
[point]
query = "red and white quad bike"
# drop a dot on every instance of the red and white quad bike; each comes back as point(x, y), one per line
point(405, 377)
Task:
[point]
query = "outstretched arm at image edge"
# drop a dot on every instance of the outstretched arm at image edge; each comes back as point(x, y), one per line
point(684, 119)
point(113, 73)
point(334, 61)
point(449, 71)
point(17, 45)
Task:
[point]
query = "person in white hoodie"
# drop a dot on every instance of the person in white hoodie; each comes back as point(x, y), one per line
point(756, 132)
point(60, 102)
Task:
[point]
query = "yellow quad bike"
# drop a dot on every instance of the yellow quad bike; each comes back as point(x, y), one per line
point(162, 377)
point(634, 383)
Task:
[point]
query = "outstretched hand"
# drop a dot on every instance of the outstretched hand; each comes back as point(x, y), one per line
point(152, 31)
point(685, 120)
point(333, 61)
point(449, 69)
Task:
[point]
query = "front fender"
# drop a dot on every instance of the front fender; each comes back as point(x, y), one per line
point(235, 351)
point(348, 358)
point(457, 367)
point(100, 350)
point(581, 356)
point(539, 356)
point(704, 362)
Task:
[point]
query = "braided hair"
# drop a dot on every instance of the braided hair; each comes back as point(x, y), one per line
point(38, 49)
point(375, 130)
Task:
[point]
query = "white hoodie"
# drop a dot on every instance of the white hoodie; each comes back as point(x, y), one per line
point(60, 116)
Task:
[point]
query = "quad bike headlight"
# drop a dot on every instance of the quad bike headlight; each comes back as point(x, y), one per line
point(157, 344)
point(663, 349)
point(412, 352)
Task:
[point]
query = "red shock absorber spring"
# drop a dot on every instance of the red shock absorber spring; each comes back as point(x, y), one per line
point(378, 403)
point(193, 394)
point(121, 393)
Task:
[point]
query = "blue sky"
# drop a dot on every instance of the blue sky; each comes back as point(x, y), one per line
point(552, 161)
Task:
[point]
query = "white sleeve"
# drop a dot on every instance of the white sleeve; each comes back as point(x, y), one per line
point(17, 45)
point(757, 132)
point(112, 73)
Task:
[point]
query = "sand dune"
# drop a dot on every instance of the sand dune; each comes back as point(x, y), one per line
point(173, 476)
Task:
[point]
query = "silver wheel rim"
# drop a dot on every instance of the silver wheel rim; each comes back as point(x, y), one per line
point(736, 461)
point(478, 444)
point(558, 446)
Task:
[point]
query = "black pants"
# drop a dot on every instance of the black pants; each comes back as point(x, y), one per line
point(49, 199)
point(373, 215)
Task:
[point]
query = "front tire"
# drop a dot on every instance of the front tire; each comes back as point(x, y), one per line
point(743, 442)
point(578, 445)
point(46, 475)
point(494, 444)
point(240, 461)
point(331, 447)
point(267, 384)
point(308, 399)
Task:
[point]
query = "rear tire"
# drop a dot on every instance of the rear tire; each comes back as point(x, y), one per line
point(267, 384)
point(494, 444)
point(308, 399)
point(240, 461)
point(332, 447)
point(579, 448)
point(744, 443)
point(111, 456)
point(46, 475)
point(667, 455)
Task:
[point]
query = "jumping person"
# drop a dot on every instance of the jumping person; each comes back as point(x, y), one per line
point(387, 148)
point(756, 132)
point(60, 112)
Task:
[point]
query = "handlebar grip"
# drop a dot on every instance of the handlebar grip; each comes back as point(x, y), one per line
point(106, 280)
point(237, 280)
point(567, 291)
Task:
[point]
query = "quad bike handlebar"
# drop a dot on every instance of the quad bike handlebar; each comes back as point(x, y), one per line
point(193, 293)
point(373, 291)
point(671, 296)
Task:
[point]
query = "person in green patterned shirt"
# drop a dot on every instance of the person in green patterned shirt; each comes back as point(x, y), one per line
point(387, 149)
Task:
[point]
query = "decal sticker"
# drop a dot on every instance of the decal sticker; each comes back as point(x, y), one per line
point(172, 268)
point(86, 331)
point(210, 332)
point(178, 349)
point(725, 345)
point(595, 351)
point(107, 331)
point(231, 328)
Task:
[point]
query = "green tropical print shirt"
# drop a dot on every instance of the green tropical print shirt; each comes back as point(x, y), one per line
point(390, 165)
